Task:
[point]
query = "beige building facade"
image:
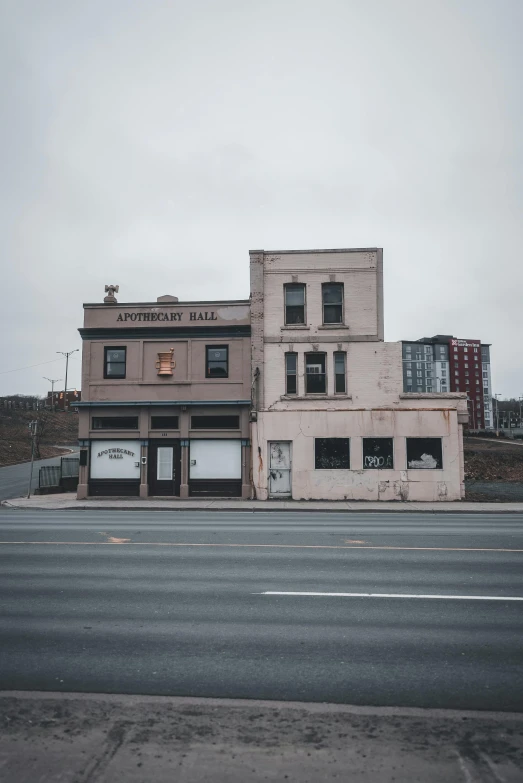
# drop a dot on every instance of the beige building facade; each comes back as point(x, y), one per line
point(166, 394)
point(329, 416)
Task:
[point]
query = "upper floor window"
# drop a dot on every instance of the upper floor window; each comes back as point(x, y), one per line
point(217, 361)
point(339, 372)
point(291, 374)
point(114, 362)
point(315, 382)
point(332, 294)
point(294, 303)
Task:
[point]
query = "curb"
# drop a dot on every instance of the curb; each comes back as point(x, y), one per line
point(504, 508)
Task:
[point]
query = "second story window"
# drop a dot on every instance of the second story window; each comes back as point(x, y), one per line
point(114, 362)
point(217, 361)
point(332, 294)
point(294, 294)
point(339, 373)
point(291, 374)
point(315, 380)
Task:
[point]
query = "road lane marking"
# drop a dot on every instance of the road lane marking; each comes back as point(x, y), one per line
point(397, 595)
point(123, 542)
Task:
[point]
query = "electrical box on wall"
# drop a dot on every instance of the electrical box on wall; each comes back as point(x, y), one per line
point(144, 460)
point(83, 457)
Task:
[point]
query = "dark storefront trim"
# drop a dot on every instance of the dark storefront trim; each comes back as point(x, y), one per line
point(160, 403)
point(125, 333)
point(114, 487)
point(215, 488)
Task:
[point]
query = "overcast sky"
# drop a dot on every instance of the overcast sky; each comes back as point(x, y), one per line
point(152, 143)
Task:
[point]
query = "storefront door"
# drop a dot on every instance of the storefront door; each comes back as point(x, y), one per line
point(280, 469)
point(164, 468)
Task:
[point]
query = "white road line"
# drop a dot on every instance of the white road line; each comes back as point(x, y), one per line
point(399, 595)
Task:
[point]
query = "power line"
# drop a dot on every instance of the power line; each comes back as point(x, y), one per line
point(18, 369)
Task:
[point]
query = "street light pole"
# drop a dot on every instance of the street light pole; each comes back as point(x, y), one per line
point(33, 426)
point(497, 412)
point(67, 354)
point(52, 381)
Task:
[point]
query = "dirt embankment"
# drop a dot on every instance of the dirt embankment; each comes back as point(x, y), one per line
point(53, 429)
point(496, 460)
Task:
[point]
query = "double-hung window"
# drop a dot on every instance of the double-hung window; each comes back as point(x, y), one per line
point(332, 295)
point(291, 373)
point(294, 294)
point(217, 361)
point(114, 362)
point(315, 380)
point(340, 383)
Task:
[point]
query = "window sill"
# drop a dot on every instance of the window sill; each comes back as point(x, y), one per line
point(286, 397)
point(333, 326)
point(294, 327)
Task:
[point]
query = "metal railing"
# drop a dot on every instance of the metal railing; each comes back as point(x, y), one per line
point(70, 467)
point(49, 476)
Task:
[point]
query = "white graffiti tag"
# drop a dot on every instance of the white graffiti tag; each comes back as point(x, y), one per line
point(377, 462)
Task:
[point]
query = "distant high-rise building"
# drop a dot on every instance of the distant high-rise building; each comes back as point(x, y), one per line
point(444, 363)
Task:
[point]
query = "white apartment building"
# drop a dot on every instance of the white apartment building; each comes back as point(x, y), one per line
point(330, 419)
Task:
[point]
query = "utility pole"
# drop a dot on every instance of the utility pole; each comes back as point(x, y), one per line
point(497, 411)
point(33, 425)
point(52, 381)
point(67, 354)
point(520, 401)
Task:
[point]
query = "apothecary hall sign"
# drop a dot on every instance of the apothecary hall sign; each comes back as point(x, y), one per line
point(115, 453)
point(206, 315)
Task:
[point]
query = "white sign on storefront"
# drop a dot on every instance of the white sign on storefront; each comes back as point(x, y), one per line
point(215, 459)
point(115, 459)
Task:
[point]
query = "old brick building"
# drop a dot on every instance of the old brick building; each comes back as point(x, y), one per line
point(330, 418)
point(165, 398)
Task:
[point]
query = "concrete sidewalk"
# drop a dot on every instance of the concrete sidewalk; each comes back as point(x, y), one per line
point(68, 501)
point(91, 738)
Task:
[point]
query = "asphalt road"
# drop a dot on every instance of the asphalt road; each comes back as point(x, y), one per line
point(14, 480)
point(176, 603)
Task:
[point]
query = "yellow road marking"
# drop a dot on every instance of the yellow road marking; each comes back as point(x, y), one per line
point(122, 542)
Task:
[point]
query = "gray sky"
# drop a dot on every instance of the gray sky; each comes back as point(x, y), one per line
point(151, 144)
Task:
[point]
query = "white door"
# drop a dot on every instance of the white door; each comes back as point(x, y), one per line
point(279, 468)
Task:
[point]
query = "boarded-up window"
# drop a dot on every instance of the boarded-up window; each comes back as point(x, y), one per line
point(378, 453)
point(424, 454)
point(332, 453)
